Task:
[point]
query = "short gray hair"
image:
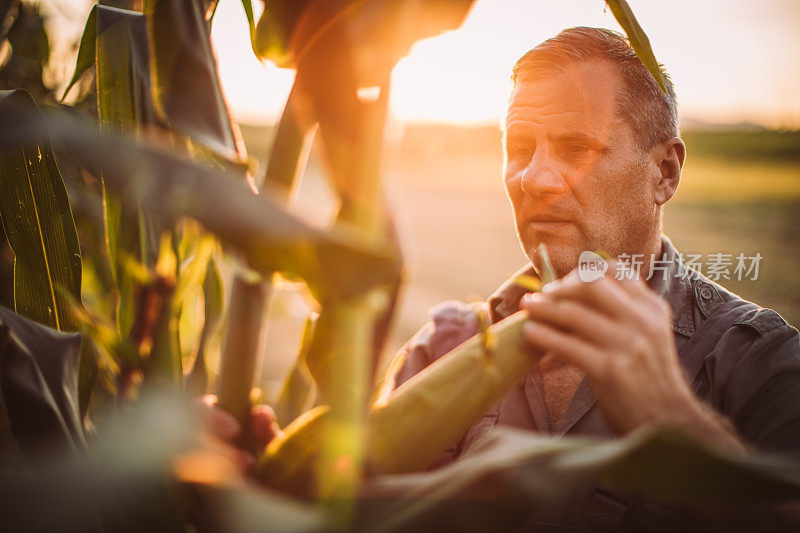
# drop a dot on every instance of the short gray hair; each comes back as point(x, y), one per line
point(652, 115)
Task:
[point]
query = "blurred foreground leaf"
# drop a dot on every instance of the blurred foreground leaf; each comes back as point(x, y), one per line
point(383, 31)
point(249, 510)
point(338, 263)
point(511, 477)
point(125, 486)
point(149, 471)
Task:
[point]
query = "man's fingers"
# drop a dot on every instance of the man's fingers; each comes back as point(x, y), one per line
point(574, 317)
point(264, 424)
point(209, 399)
point(651, 307)
point(602, 294)
point(217, 421)
point(241, 459)
point(568, 347)
point(627, 278)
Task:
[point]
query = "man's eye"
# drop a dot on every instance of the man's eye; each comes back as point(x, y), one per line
point(519, 151)
point(575, 150)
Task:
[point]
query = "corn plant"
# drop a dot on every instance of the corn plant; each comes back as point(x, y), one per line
point(182, 210)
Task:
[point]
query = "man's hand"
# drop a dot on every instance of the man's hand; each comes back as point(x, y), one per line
point(224, 433)
point(620, 333)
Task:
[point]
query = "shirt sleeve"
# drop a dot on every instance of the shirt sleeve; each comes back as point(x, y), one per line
point(761, 395)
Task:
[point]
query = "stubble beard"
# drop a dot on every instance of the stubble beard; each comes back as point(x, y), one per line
point(637, 236)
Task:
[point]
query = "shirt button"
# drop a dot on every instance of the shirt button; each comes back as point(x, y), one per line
point(705, 292)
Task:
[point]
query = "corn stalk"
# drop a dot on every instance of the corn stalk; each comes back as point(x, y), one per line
point(241, 353)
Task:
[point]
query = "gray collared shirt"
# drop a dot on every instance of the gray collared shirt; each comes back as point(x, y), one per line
point(751, 375)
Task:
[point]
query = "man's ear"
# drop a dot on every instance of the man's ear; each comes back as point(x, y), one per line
point(668, 157)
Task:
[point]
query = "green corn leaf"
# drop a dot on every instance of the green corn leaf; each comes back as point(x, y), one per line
point(251, 19)
point(39, 385)
point(289, 152)
point(188, 98)
point(194, 255)
point(213, 307)
point(40, 229)
point(38, 223)
point(122, 55)
point(210, 9)
point(193, 269)
point(105, 342)
point(274, 30)
point(298, 386)
point(124, 104)
point(213, 301)
point(638, 38)
point(186, 88)
point(86, 51)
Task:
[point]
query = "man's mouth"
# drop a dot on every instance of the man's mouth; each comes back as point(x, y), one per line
point(547, 223)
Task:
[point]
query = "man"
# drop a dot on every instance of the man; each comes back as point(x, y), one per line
point(592, 155)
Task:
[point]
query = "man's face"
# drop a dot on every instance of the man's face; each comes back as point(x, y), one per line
point(574, 173)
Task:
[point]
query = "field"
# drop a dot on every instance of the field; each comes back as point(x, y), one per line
point(739, 193)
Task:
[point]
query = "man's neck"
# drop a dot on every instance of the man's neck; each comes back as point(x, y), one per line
point(654, 254)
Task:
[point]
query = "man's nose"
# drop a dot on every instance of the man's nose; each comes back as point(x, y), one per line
point(542, 177)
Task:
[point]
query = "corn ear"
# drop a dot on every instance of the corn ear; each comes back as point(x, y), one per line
point(289, 461)
point(432, 410)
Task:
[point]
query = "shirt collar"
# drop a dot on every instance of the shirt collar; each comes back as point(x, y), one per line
point(671, 279)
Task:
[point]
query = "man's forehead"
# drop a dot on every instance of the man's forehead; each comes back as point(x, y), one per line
point(582, 95)
point(595, 73)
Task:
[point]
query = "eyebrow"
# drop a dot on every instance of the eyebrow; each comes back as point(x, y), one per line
point(578, 137)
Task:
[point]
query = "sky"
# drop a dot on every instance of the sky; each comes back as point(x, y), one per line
point(731, 60)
